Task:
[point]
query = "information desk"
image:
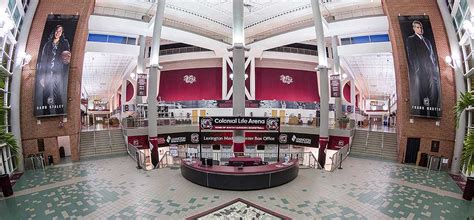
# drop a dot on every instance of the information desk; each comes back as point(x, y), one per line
point(240, 178)
point(246, 161)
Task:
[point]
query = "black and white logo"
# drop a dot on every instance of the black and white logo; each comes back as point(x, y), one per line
point(272, 124)
point(206, 123)
point(194, 138)
point(283, 138)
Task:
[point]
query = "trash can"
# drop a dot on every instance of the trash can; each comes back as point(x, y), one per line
point(6, 185)
point(50, 160)
point(434, 163)
point(469, 189)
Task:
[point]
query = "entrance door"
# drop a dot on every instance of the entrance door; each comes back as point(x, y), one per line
point(413, 146)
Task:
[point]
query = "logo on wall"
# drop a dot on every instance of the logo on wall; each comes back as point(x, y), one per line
point(206, 123)
point(136, 142)
point(194, 138)
point(189, 79)
point(283, 138)
point(168, 139)
point(272, 124)
point(286, 79)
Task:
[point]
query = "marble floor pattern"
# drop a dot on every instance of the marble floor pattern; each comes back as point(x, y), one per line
point(114, 189)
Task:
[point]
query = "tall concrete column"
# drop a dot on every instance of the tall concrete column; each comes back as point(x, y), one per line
point(16, 80)
point(123, 97)
point(353, 98)
point(337, 71)
point(324, 87)
point(153, 80)
point(460, 86)
point(238, 52)
point(140, 66)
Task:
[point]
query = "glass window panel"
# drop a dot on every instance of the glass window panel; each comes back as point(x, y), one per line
point(16, 16)
point(379, 38)
point(345, 41)
point(463, 5)
point(116, 39)
point(97, 37)
point(132, 41)
point(11, 4)
point(360, 40)
point(458, 18)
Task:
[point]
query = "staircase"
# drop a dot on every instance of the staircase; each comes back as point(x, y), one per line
point(98, 143)
point(375, 144)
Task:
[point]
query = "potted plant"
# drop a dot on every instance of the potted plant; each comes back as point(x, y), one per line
point(467, 159)
point(343, 121)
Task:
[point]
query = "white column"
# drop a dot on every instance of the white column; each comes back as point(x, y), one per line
point(324, 87)
point(337, 70)
point(238, 62)
point(123, 97)
point(224, 78)
point(16, 79)
point(153, 81)
point(460, 86)
point(353, 98)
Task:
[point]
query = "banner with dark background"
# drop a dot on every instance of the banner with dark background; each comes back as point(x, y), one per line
point(423, 69)
point(52, 69)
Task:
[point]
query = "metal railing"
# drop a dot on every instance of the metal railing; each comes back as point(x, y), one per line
point(137, 155)
point(338, 157)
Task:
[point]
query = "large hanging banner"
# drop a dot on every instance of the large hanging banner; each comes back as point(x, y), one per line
point(52, 70)
point(423, 69)
point(239, 123)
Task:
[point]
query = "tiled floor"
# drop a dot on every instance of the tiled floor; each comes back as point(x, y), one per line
point(114, 189)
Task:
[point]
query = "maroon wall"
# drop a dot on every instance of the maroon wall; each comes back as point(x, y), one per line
point(346, 91)
point(208, 84)
point(129, 91)
point(268, 85)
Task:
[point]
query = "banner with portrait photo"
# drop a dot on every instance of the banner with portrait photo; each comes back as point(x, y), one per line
point(52, 69)
point(423, 69)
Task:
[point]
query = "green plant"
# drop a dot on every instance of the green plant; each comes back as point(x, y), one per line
point(467, 161)
point(344, 119)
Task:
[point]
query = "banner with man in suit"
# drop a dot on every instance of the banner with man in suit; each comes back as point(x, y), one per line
point(423, 69)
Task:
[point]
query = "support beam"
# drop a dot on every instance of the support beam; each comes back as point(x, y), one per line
point(154, 77)
point(16, 79)
point(238, 62)
point(460, 86)
point(337, 71)
point(324, 87)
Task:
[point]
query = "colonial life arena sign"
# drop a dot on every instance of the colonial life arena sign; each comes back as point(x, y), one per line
point(239, 123)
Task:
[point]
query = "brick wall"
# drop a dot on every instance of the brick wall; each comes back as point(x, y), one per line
point(423, 128)
point(49, 128)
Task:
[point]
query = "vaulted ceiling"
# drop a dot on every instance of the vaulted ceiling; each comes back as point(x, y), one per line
point(262, 19)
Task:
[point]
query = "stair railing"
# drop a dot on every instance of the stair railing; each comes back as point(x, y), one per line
point(161, 162)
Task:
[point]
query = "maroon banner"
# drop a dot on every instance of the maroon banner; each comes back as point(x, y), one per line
point(335, 86)
point(239, 123)
point(141, 84)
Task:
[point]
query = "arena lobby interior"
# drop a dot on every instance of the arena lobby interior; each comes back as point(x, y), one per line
point(253, 120)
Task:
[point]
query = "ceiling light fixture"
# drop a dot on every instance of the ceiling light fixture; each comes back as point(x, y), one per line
point(231, 76)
